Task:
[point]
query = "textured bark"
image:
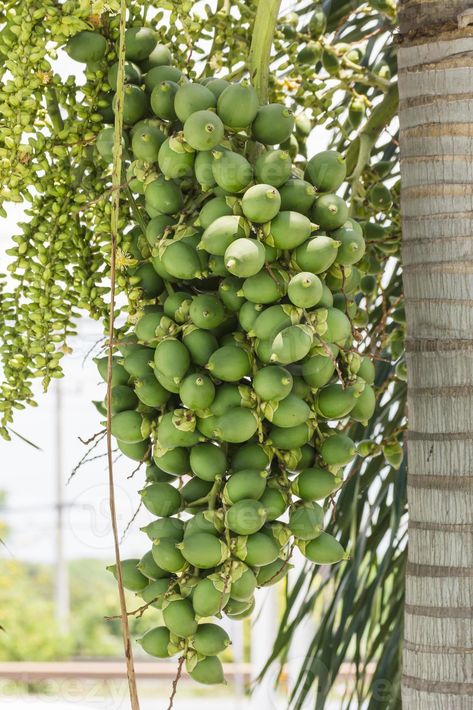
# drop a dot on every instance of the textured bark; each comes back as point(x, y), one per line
point(436, 116)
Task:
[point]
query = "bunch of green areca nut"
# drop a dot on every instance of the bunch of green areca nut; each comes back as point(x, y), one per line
point(239, 374)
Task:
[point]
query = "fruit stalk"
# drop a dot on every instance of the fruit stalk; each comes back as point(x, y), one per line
point(261, 43)
point(115, 208)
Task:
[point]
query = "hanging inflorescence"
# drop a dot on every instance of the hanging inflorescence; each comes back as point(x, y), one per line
point(241, 370)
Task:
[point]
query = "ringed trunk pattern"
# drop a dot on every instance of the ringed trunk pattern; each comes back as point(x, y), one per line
point(436, 116)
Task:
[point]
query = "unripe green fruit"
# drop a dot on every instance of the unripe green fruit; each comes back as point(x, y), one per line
point(274, 502)
point(157, 75)
point(161, 499)
point(146, 327)
point(130, 427)
point(315, 484)
point(132, 75)
point(306, 521)
point(336, 401)
point(274, 168)
point(237, 425)
point(248, 314)
point(174, 430)
point(154, 593)
point(154, 474)
point(221, 233)
point(207, 311)
point(230, 363)
point(132, 578)
point(291, 344)
point(326, 171)
point(261, 203)
point(228, 290)
point(317, 254)
point(137, 362)
point(195, 489)
point(204, 522)
point(164, 195)
point(203, 130)
point(289, 412)
point(175, 461)
point(157, 227)
point(317, 22)
point(200, 344)
point(380, 197)
point(87, 47)
point(217, 86)
point(172, 359)
point(365, 405)
point(165, 527)
point(272, 573)
point(310, 54)
point(305, 290)
point(245, 517)
point(329, 212)
point(149, 282)
point(297, 196)
point(175, 164)
point(162, 100)
point(243, 588)
point(352, 245)
point(156, 642)
point(123, 398)
point(150, 392)
point(204, 551)
point(290, 438)
point(273, 383)
point(210, 639)
point(179, 618)
point(232, 172)
point(237, 610)
point(338, 450)
point(167, 555)
point(139, 43)
point(272, 321)
point(237, 105)
point(367, 371)
point(250, 455)
point(245, 484)
point(207, 600)
point(273, 124)
point(245, 257)
point(104, 143)
point(137, 451)
point(338, 327)
point(290, 229)
point(135, 104)
point(149, 568)
point(212, 210)
point(197, 391)
point(266, 286)
point(257, 550)
point(191, 98)
point(209, 671)
point(324, 550)
point(207, 426)
point(203, 171)
point(300, 388)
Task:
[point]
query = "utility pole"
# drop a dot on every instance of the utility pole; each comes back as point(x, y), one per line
point(61, 582)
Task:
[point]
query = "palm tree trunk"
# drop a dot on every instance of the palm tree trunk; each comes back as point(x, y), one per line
point(436, 116)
